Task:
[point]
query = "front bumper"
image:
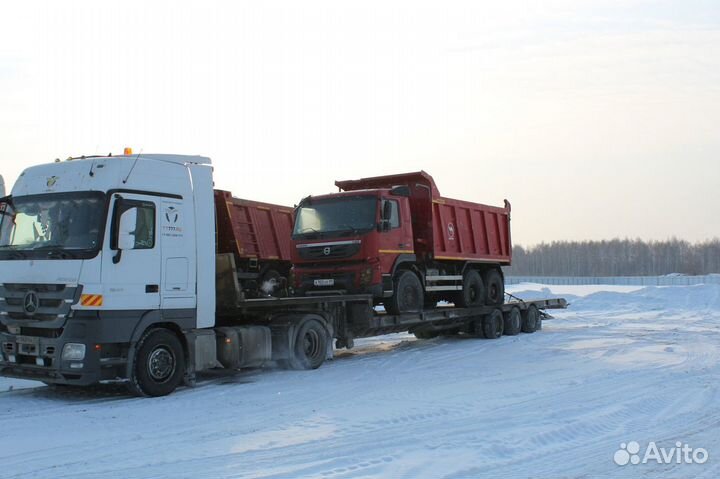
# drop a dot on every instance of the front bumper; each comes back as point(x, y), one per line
point(345, 280)
point(40, 358)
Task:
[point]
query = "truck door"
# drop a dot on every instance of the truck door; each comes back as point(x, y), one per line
point(395, 237)
point(177, 288)
point(132, 255)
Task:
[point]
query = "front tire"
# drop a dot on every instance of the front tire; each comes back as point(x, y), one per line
point(159, 364)
point(408, 295)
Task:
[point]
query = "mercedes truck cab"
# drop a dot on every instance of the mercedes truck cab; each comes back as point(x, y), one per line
point(94, 253)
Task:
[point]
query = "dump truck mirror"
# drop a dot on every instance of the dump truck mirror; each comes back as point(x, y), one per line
point(386, 211)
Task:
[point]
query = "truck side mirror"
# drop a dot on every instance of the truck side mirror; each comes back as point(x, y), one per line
point(126, 229)
point(386, 211)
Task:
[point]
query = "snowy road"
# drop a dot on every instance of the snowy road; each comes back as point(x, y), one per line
point(622, 364)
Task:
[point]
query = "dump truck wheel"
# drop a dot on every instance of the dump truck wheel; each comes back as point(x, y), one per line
point(493, 324)
point(473, 292)
point(408, 295)
point(513, 322)
point(159, 364)
point(311, 341)
point(530, 319)
point(494, 288)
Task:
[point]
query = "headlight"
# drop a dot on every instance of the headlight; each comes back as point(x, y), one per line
point(73, 352)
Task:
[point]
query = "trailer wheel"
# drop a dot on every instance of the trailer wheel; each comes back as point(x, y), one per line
point(513, 322)
point(159, 364)
point(530, 319)
point(311, 341)
point(473, 290)
point(475, 328)
point(494, 288)
point(493, 324)
point(408, 296)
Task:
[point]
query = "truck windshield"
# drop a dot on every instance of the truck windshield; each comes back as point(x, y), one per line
point(39, 225)
point(335, 217)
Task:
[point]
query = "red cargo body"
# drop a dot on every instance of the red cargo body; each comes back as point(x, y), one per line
point(257, 234)
point(415, 247)
point(447, 229)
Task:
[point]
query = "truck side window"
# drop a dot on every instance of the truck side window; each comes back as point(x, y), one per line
point(394, 219)
point(140, 229)
point(145, 229)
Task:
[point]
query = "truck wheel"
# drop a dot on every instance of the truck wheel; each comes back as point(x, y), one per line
point(493, 324)
point(513, 322)
point(408, 296)
point(494, 288)
point(530, 319)
point(311, 341)
point(159, 364)
point(473, 292)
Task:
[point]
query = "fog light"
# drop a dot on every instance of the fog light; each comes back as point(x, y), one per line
point(366, 276)
point(40, 361)
point(76, 365)
point(73, 352)
point(11, 358)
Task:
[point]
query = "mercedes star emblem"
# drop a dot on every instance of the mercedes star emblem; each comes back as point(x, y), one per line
point(31, 303)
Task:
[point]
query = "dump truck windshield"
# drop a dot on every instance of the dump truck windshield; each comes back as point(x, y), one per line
point(335, 217)
point(39, 225)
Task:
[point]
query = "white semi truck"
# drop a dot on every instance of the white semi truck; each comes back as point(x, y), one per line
point(109, 271)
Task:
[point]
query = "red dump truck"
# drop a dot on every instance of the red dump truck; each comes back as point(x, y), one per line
point(397, 238)
point(258, 236)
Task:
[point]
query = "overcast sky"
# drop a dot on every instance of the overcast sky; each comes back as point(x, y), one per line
point(596, 119)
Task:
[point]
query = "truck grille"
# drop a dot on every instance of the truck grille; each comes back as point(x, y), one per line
point(37, 302)
point(331, 251)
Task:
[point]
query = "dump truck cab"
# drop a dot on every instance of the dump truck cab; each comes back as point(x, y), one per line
point(345, 242)
point(396, 237)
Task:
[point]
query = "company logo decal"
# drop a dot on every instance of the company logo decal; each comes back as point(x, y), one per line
point(51, 181)
point(172, 226)
point(451, 231)
point(172, 214)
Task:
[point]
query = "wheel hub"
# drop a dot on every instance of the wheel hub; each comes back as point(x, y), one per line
point(161, 364)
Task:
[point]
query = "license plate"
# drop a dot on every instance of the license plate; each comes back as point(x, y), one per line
point(324, 282)
point(27, 340)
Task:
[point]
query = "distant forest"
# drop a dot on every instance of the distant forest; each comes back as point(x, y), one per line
point(616, 258)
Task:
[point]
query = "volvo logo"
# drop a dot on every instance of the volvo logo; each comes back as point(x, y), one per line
point(31, 303)
point(326, 250)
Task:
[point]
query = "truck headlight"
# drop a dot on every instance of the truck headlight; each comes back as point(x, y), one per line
point(73, 352)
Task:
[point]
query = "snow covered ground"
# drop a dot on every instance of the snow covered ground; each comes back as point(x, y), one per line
point(622, 364)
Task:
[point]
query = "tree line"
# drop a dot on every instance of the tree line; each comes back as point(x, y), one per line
point(616, 258)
